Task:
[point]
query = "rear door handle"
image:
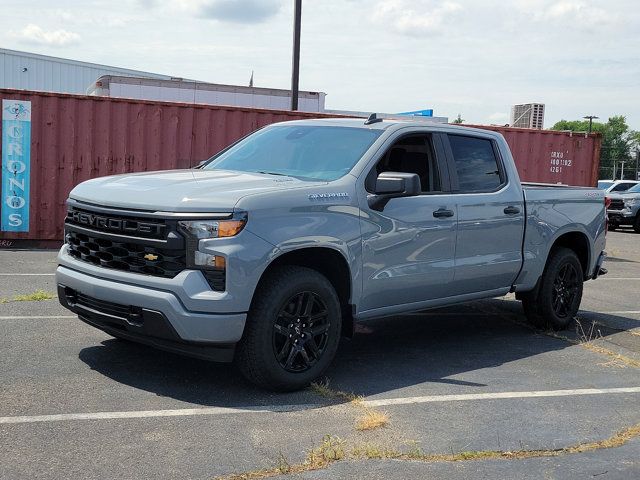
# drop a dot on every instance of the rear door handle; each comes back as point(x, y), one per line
point(511, 210)
point(443, 213)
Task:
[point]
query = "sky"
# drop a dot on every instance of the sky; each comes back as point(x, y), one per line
point(474, 58)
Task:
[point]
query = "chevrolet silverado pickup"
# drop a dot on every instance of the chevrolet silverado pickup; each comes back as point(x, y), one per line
point(624, 208)
point(270, 251)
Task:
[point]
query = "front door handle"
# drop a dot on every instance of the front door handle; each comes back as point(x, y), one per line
point(443, 213)
point(511, 210)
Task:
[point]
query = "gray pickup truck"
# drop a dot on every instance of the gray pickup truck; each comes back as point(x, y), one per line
point(270, 251)
point(624, 208)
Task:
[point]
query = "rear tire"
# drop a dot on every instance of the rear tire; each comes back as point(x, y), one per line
point(557, 300)
point(292, 330)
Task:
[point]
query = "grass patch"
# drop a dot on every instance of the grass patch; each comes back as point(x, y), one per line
point(323, 389)
point(330, 450)
point(586, 339)
point(37, 296)
point(371, 419)
point(333, 449)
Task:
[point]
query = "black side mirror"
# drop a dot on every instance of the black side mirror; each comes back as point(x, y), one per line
point(393, 185)
point(200, 163)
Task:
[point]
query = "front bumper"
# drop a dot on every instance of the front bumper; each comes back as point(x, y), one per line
point(148, 315)
point(621, 217)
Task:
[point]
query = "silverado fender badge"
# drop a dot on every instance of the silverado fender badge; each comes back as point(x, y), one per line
point(328, 196)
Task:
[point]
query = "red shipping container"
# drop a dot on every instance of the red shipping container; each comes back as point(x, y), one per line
point(549, 156)
point(75, 137)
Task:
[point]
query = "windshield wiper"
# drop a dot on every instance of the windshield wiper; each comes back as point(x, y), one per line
point(273, 173)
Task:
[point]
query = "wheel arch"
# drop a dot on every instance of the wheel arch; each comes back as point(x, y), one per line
point(329, 262)
point(579, 243)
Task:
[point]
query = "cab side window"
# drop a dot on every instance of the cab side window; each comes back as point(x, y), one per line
point(413, 154)
point(476, 164)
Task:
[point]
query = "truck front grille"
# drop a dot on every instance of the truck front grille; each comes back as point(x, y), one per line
point(132, 241)
point(126, 256)
point(616, 204)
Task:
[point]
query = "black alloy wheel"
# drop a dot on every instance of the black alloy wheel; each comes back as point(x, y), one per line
point(292, 330)
point(565, 288)
point(556, 300)
point(301, 332)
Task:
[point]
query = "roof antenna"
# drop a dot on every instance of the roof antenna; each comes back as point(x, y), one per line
point(373, 118)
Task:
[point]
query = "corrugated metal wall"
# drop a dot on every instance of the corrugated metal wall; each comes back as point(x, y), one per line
point(75, 138)
point(51, 74)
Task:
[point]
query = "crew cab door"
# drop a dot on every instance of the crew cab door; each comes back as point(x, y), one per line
point(490, 208)
point(408, 243)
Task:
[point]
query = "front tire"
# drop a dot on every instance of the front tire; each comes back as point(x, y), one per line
point(292, 330)
point(559, 294)
point(636, 224)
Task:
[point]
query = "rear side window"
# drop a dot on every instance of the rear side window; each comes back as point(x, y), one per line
point(476, 164)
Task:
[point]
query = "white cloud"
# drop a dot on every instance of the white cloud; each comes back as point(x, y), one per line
point(234, 11)
point(72, 17)
point(580, 13)
point(498, 117)
point(422, 17)
point(34, 34)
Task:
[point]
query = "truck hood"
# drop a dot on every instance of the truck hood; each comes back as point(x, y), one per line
point(623, 196)
point(181, 190)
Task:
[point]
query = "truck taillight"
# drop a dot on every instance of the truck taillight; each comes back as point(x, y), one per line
point(607, 202)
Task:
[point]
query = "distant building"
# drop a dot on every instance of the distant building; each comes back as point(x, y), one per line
point(528, 115)
point(190, 91)
point(31, 71)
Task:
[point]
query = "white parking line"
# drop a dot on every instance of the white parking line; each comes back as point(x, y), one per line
point(619, 312)
point(211, 411)
point(182, 412)
point(36, 317)
point(498, 395)
point(606, 277)
point(27, 274)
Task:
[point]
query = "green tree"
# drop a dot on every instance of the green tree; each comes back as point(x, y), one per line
point(618, 142)
point(458, 120)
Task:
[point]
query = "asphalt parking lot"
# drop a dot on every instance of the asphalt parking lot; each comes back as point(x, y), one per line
point(468, 392)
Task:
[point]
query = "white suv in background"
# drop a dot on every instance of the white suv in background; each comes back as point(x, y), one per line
point(616, 185)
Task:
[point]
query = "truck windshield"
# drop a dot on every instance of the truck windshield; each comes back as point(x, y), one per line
point(306, 152)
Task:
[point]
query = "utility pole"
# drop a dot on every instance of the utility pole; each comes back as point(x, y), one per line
point(591, 118)
point(295, 74)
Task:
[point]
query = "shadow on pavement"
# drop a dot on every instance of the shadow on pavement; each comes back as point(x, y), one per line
point(384, 355)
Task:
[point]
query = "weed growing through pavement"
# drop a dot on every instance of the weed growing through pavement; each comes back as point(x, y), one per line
point(371, 419)
point(37, 296)
point(333, 449)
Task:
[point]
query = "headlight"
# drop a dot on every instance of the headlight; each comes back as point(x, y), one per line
point(212, 265)
point(201, 229)
point(630, 202)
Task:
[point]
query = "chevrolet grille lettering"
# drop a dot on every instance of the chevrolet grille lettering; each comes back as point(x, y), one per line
point(116, 224)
